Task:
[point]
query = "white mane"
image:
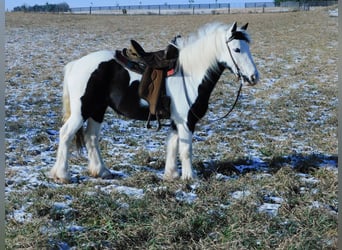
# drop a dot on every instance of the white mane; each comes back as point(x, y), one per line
point(198, 51)
point(203, 31)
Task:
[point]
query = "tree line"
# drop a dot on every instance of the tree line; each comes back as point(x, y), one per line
point(310, 2)
point(61, 7)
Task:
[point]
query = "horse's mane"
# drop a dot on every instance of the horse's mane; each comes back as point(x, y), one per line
point(202, 46)
point(203, 31)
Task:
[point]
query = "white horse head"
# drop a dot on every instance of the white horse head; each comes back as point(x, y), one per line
point(218, 43)
point(238, 57)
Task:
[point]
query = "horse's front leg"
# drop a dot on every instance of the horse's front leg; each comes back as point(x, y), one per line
point(171, 156)
point(185, 151)
point(96, 165)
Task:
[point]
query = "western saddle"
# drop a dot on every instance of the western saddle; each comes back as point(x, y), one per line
point(154, 67)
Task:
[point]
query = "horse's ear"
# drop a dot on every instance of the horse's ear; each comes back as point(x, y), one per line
point(137, 48)
point(244, 27)
point(233, 28)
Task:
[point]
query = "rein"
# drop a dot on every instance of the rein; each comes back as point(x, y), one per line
point(238, 92)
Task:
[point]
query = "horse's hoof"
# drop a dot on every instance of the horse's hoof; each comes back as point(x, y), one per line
point(62, 179)
point(107, 176)
point(189, 177)
point(171, 176)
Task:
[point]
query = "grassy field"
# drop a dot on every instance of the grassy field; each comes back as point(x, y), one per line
point(267, 175)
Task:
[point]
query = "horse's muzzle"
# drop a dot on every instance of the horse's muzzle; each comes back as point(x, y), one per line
point(253, 79)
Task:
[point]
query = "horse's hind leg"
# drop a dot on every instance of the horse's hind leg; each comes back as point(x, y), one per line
point(171, 156)
point(96, 166)
point(59, 172)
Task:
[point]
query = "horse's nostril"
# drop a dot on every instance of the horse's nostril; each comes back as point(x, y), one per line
point(254, 78)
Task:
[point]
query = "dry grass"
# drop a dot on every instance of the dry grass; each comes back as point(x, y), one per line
point(289, 121)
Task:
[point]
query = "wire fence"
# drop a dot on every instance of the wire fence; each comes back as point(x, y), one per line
point(172, 9)
point(155, 9)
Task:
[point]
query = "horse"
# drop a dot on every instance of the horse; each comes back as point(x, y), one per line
point(97, 81)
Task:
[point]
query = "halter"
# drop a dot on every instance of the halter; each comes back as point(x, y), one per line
point(231, 56)
point(240, 77)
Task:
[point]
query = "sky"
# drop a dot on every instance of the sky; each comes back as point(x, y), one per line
point(10, 4)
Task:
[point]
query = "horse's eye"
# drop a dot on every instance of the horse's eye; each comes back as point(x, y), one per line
point(237, 50)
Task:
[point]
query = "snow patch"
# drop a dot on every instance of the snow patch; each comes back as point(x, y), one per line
point(238, 195)
point(269, 208)
point(75, 228)
point(20, 215)
point(137, 193)
point(333, 13)
point(185, 197)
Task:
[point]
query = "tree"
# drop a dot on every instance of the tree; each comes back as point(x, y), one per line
point(314, 2)
point(61, 7)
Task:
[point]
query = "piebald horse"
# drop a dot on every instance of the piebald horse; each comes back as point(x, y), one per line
point(97, 81)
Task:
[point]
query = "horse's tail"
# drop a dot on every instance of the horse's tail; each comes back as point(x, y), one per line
point(66, 97)
point(79, 139)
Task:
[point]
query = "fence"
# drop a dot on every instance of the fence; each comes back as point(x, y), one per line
point(156, 9)
point(212, 8)
point(289, 5)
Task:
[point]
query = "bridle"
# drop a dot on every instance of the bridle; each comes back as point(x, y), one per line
point(239, 75)
point(238, 71)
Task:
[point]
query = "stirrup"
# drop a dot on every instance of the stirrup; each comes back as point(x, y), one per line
point(148, 125)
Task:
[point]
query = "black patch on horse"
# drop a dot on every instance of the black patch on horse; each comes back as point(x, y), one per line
point(109, 85)
point(200, 106)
